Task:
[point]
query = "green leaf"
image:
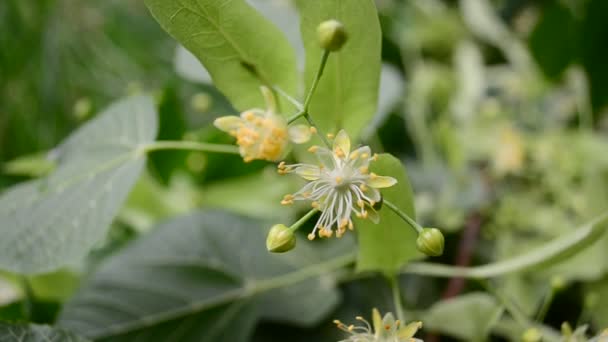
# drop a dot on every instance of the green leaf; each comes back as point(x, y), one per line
point(54, 221)
point(35, 333)
point(224, 35)
point(469, 317)
point(347, 94)
point(388, 245)
point(203, 268)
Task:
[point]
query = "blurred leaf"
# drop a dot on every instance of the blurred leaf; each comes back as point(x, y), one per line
point(347, 94)
point(219, 33)
point(35, 333)
point(469, 317)
point(554, 40)
point(598, 305)
point(388, 245)
point(205, 265)
point(54, 221)
point(252, 196)
point(172, 126)
point(34, 165)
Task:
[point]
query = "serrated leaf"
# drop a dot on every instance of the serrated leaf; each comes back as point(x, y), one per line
point(347, 94)
point(194, 265)
point(469, 317)
point(54, 221)
point(224, 34)
point(388, 245)
point(35, 333)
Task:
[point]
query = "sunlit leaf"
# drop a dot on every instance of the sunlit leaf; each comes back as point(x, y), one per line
point(225, 36)
point(347, 94)
point(388, 245)
point(56, 220)
point(205, 265)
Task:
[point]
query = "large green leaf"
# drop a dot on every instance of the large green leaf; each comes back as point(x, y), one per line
point(35, 333)
point(348, 91)
point(469, 317)
point(388, 245)
point(56, 220)
point(196, 273)
point(225, 35)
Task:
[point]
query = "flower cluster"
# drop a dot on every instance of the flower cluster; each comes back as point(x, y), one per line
point(382, 329)
point(263, 134)
point(341, 184)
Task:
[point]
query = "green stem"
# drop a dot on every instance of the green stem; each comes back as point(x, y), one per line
point(403, 216)
point(511, 307)
point(189, 145)
point(397, 303)
point(315, 80)
point(542, 312)
point(304, 110)
point(552, 252)
point(28, 298)
point(286, 96)
point(303, 219)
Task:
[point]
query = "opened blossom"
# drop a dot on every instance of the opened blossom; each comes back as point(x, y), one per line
point(339, 186)
point(382, 329)
point(262, 134)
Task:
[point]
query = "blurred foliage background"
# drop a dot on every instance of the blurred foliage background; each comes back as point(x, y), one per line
point(497, 108)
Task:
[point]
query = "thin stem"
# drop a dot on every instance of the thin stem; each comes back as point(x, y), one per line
point(190, 145)
point(303, 219)
point(315, 81)
point(394, 282)
point(286, 96)
point(403, 216)
point(511, 307)
point(552, 252)
point(542, 312)
point(296, 116)
point(28, 299)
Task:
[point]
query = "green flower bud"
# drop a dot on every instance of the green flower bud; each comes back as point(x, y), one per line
point(332, 35)
point(430, 242)
point(280, 239)
point(532, 335)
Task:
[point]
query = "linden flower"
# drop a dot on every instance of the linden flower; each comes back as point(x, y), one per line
point(385, 329)
point(340, 185)
point(262, 134)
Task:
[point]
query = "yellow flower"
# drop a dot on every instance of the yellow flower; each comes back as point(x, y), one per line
point(339, 185)
point(382, 329)
point(262, 134)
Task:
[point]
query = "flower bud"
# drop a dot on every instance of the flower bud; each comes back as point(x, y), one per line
point(532, 335)
point(430, 242)
point(332, 35)
point(280, 239)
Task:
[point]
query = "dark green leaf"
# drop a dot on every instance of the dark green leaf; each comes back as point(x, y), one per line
point(197, 267)
point(35, 333)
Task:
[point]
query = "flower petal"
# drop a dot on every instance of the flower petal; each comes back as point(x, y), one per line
point(326, 158)
point(342, 142)
point(299, 134)
point(380, 182)
point(308, 172)
point(228, 123)
point(360, 157)
point(372, 215)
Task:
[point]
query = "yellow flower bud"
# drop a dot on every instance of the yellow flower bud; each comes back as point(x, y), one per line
point(430, 242)
point(280, 239)
point(332, 35)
